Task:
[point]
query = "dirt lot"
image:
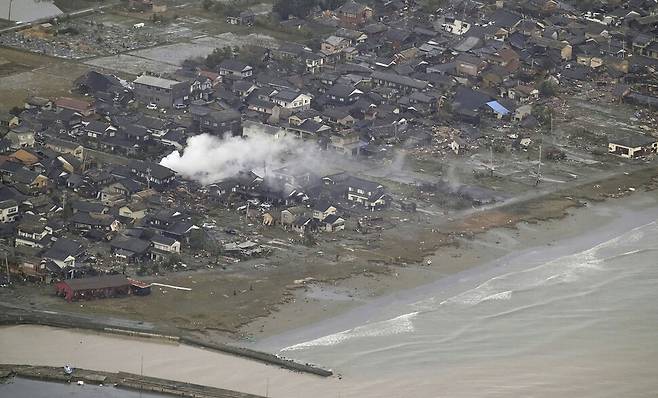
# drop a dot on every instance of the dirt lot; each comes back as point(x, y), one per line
point(34, 74)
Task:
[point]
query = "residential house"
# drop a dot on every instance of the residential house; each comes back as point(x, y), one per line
point(346, 143)
point(353, 14)
point(130, 250)
point(33, 231)
point(234, 69)
point(163, 247)
point(632, 145)
point(333, 45)
point(20, 137)
point(38, 103)
point(81, 221)
point(399, 82)
point(322, 210)
point(8, 120)
point(333, 223)
point(244, 18)
point(35, 182)
point(469, 65)
point(63, 253)
point(343, 94)
point(303, 224)
point(85, 206)
point(289, 215)
point(84, 108)
point(153, 174)
point(564, 49)
point(119, 191)
point(222, 123)
point(62, 146)
point(292, 100)
point(161, 92)
point(135, 211)
point(8, 211)
point(367, 193)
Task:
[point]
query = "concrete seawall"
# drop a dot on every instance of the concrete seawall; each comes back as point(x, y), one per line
point(119, 380)
point(13, 316)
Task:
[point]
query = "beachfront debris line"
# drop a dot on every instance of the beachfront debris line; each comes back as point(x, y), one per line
point(120, 380)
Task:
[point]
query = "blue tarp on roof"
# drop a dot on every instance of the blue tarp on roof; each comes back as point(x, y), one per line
point(498, 108)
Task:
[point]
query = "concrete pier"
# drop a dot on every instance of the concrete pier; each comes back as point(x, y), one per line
point(119, 380)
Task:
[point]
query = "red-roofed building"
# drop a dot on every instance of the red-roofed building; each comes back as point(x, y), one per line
point(85, 108)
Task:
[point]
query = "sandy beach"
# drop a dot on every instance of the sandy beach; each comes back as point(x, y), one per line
point(322, 310)
point(321, 301)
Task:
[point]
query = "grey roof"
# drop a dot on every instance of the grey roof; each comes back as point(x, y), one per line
point(287, 95)
point(402, 80)
point(341, 90)
point(87, 207)
point(155, 81)
point(224, 115)
point(87, 219)
point(351, 7)
point(633, 140)
point(234, 65)
point(5, 204)
point(130, 244)
point(63, 248)
point(164, 240)
point(157, 171)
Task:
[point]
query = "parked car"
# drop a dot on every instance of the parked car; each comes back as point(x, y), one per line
point(151, 106)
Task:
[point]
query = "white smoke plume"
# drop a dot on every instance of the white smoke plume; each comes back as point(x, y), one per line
point(209, 159)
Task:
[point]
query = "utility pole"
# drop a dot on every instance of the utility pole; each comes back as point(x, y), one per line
point(539, 165)
point(491, 165)
point(148, 178)
point(141, 376)
point(8, 274)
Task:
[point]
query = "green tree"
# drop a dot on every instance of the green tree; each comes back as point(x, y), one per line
point(543, 114)
point(207, 4)
point(198, 240)
point(430, 6)
point(309, 239)
point(218, 55)
point(251, 55)
point(547, 88)
point(296, 8)
point(67, 212)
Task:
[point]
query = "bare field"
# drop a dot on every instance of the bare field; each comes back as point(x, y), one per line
point(36, 75)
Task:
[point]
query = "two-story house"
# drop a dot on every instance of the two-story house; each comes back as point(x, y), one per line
point(161, 92)
point(8, 211)
point(367, 193)
point(292, 100)
point(234, 69)
point(33, 231)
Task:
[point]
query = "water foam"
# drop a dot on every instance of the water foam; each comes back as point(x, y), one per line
point(389, 327)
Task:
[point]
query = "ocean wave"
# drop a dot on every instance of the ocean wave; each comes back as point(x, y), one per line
point(389, 327)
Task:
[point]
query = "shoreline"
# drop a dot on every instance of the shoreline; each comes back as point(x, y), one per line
point(583, 228)
point(321, 303)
